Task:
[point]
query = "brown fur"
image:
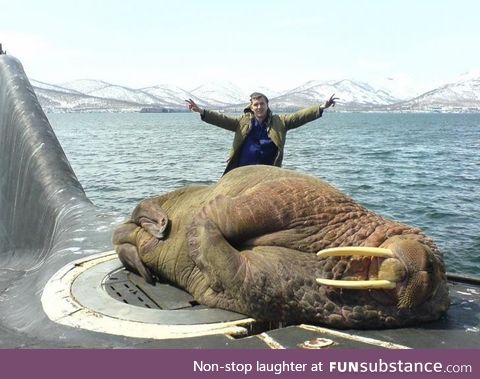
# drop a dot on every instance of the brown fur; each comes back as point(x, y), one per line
point(248, 244)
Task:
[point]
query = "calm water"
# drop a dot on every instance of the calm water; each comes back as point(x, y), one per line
point(421, 169)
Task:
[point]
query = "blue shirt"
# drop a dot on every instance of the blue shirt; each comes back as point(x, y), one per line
point(257, 148)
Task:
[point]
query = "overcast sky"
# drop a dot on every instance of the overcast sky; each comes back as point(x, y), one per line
point(277, 44)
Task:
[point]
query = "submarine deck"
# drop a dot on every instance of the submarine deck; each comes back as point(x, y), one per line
point(107, 288)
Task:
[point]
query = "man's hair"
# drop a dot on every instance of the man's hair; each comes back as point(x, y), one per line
point(257, 95)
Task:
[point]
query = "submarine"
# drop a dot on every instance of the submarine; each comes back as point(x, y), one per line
point(62, 285)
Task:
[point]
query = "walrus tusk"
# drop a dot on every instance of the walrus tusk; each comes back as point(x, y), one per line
point(358, 284)
point(356, 251)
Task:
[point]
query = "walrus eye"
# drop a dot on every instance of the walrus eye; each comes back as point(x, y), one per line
point(429, 266)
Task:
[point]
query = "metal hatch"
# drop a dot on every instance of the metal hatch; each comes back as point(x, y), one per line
point(96, 293)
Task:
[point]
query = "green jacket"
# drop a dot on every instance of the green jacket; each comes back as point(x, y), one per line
point(277, 127)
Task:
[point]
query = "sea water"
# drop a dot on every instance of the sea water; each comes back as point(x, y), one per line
point(420, 169)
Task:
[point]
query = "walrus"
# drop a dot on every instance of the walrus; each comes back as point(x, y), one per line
point(280, 245)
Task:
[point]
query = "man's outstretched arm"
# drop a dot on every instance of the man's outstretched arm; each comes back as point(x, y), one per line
point(213, 118)
point(309, 114)
point(194, 107)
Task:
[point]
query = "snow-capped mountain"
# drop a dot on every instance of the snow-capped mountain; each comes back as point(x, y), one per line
point(220, 94)
point(400, 87)
point(352, 95)
point(97, 95)
point(41, 85)
point(63, 101)
point(85, 85)
point(111, 91)
point(463, 95)
point(173, 95)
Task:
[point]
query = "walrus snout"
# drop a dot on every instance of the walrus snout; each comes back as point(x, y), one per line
point(424, 273)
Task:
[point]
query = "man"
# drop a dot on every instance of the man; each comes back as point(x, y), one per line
point(259, 134)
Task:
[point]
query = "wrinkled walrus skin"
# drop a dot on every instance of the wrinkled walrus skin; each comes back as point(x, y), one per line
point(248, 244)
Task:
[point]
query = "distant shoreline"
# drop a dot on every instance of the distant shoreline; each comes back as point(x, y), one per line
point(169, 111)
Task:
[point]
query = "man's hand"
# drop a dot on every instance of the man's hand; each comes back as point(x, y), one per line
point(330, 102)
point(193, 106)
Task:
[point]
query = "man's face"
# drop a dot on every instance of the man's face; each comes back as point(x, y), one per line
point(259, 107)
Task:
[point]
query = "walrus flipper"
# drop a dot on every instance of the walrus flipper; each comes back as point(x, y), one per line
point(243, 218)
point(128, 255)
point(211, 252)
point(125, 242)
